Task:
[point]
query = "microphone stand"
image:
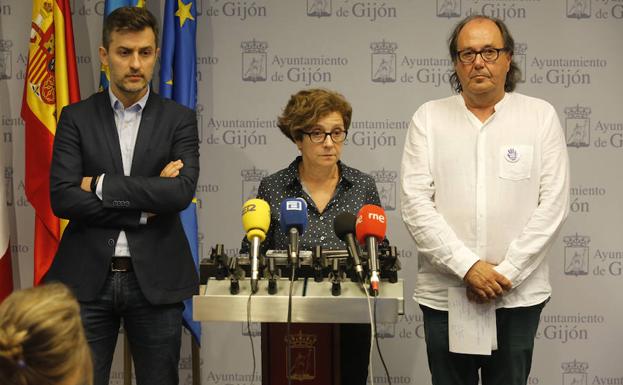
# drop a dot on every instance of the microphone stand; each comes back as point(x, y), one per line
point(255, 252)
point(374, 265)
point(336, 281)
point(272, 276)
point(293, 261)
point(318, 263)
point(218, 254)
point(234, 276)
point(293, 251)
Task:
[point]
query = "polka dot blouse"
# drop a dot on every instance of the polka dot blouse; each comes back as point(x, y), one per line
point(354, 190)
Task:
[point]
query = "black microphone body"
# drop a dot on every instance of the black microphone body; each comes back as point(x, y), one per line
point(351, 246)
point(344, 227)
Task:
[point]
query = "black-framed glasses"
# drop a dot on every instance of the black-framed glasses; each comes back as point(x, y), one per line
point(489, 55)
point(319, 136)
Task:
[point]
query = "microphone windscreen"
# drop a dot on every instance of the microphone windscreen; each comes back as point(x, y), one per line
point(371, 222)
point(256, 218)
point(293, 213)
point(344, 224)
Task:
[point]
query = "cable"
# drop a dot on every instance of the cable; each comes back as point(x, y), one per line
point(372, 332)
point(375, 338)
point(378, 347)
point(250, 335)
point(288, 350)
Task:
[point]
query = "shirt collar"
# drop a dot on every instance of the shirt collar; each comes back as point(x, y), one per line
point(346, 173)
point(116, 104)
point(499, 105)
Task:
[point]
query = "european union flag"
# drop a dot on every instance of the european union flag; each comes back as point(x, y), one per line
point(109, 6)
point(178, 81)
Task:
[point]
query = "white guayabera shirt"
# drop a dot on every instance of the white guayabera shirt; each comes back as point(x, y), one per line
point(496, 191)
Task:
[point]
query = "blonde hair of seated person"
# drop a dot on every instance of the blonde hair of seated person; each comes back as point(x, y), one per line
point(41, 339)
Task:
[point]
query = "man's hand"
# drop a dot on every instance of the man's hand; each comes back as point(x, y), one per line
point(473, 297)
point(172, 169)
point(484, 283)
point(86, 183)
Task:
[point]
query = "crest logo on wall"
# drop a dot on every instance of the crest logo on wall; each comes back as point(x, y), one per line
point(188, 380)
point(254, 61)
point(185, 363)
point(5, 59)
point(383, 61)
point(577, 126)
point(448, 8)
point(574, 373)
point(255, 327)
point(199, 110)
point(319, 8)
point(386, 184)
point(251, 179)
point(303, 353)
point(519, 56)
point(201, 245)
point(578, 9)
point(386, 330)
point(8, 184)
point(576, 254)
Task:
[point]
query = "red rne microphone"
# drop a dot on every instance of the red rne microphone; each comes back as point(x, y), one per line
point(371, 222)
point(370, 229)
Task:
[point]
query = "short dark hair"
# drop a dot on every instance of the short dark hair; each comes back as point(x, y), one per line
point(307, 107)
point(514, 73)
point(133, 19)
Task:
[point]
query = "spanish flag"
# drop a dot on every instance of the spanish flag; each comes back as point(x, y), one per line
point(51, 84)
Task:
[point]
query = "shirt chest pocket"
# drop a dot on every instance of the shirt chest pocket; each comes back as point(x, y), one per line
point(515, 161)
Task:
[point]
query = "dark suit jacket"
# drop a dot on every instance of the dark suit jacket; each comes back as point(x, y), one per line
point(87, 144)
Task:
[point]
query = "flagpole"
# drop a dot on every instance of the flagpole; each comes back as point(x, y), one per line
point(127, 361)
point(178, 81)
point(196, 361)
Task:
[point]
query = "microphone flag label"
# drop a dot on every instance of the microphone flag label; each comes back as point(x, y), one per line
point(294, 205)
point(250, 207)
point(376, 217)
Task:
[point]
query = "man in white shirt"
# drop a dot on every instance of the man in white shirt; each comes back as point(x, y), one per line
point(485, 189)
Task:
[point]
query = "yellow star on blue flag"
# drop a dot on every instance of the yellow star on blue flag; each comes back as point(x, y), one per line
point(184, 12)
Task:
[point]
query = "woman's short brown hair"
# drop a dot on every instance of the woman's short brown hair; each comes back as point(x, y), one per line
point(42, 341)
point(307, 107)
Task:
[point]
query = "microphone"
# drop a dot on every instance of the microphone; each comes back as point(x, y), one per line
point(370, 228)
point(293, 221)
point(344, 227)
point(255, 222)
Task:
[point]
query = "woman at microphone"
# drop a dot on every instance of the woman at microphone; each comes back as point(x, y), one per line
point(317, 122)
